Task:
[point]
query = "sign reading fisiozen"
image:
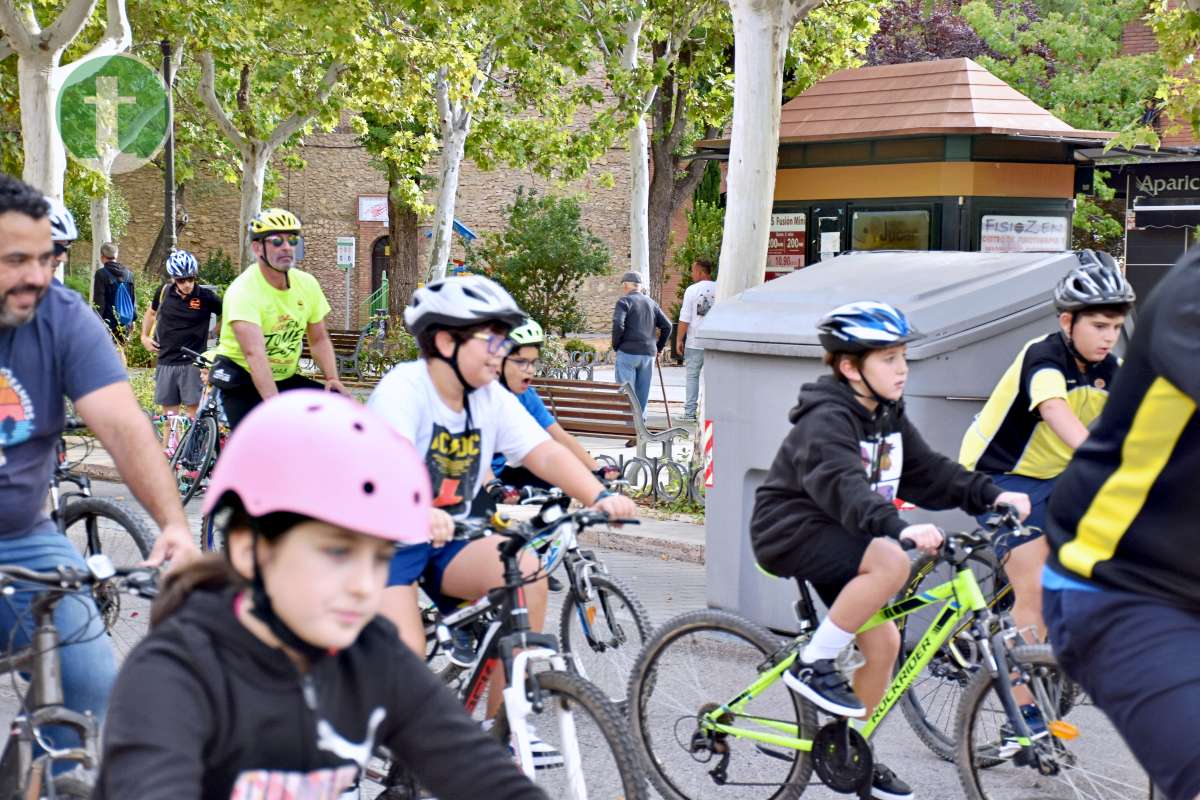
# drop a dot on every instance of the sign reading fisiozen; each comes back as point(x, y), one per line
point(1013, 234)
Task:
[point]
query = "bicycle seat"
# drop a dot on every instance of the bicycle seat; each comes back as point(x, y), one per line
point(803, 608)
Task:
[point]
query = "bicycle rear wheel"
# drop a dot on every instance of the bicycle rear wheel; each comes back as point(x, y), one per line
point(194, 457)
point(99, 525)
point(604, 634)
point(931, 703)
point(1085, 760)
point(608, 765)
point(695, 664)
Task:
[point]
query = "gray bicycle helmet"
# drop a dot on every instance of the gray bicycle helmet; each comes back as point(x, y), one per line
point(1095, 282)
point(460, 302)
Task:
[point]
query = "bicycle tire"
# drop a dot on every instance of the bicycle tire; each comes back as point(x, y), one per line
point(571, 693)
point(96, 525)
point(194, 457)
point(931, 702)
point(645, 680)
point(72, 786)
point(973, 761)
point(613, 680)
point(696, 488)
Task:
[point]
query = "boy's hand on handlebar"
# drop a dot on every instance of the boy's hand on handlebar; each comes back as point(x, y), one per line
point(1018, 500)
point(927, 538)
point(617, 506)
point(441, 527)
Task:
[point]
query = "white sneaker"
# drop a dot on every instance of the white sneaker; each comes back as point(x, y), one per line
point(544, 756)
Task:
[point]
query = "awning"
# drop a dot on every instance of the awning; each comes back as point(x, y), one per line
point(1183, 212)
point(460, 229)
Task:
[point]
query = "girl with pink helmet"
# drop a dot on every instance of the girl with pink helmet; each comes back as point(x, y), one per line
point(278, 675)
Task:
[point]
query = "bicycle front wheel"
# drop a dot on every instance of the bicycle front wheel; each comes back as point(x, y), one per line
point(98, 525)
point(604, 633)
point(693, 665)
point(599, 762)
point(194, 457)
point(1082, 758)
point(931, 704)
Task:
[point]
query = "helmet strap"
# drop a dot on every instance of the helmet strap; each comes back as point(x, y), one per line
point(466, 387)
point(265, 612)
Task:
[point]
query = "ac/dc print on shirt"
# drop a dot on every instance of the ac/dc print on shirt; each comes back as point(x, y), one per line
point(453, 464)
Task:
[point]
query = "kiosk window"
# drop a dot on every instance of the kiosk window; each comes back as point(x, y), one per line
point(890, 230)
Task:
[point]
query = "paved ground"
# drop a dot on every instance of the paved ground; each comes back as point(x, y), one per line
point(668, 586)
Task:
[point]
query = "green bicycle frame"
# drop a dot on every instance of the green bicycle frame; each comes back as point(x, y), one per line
point(962, 597)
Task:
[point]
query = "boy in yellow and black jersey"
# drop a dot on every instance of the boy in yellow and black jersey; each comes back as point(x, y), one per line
point(1039, 412)
point(1122, 586)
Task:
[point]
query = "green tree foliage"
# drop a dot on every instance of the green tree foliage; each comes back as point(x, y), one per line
point(542, 257)
point(1176, 26)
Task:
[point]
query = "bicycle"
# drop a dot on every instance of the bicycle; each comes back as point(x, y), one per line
point(100, 525)
point(602, 624)
point(171, 430)
point(723, 737)
point(24, 774)
point(537, 681)
point(193, 459)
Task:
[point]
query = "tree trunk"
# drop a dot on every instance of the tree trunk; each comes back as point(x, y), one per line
point(761, 29)
point(454, 140)
point(660, 210)
point(101, 229)
point(639, 200)
point(254, 174)
point(404, 266)
point(45, 156)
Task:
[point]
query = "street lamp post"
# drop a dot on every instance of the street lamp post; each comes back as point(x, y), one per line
point(169, 150)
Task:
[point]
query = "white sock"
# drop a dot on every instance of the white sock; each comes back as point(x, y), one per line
point(827, 642)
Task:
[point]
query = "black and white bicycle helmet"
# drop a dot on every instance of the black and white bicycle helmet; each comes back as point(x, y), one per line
point(460, 302)
point(864, 326)
point(1097, 281)
point(63, 229)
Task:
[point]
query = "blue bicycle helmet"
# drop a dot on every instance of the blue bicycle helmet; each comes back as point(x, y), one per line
point(182, 264)
point(864, 326)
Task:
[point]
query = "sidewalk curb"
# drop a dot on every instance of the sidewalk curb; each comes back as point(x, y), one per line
point(667, 549)
point(98, 472)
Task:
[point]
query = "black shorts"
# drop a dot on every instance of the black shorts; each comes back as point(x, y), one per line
point(241, 400)
point(829, 558)
point(1140, 661)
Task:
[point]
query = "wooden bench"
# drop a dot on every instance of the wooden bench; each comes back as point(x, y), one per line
point(596, 408)
point(347, 346)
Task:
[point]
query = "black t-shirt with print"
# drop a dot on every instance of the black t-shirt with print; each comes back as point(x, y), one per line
point(182, 321)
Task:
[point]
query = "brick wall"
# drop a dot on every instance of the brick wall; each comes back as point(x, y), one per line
point(1137, 39)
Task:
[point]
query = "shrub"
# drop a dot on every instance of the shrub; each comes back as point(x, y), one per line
point(575, 345)
point(542, 258)
point(218, 270)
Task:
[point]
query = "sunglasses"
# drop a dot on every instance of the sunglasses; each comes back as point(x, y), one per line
point(526, 364)
point(277, 241)
point(183, 280)
point(497, 343)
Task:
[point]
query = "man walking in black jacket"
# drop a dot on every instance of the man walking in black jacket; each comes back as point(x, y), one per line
point(635, 319)
point(106, 294)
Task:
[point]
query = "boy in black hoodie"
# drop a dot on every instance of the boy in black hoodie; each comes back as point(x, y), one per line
point(826, 512)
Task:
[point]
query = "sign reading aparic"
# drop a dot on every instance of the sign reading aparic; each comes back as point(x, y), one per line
point(1172, 185)
point(1012, 234)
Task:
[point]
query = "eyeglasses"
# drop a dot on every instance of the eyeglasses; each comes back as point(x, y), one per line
point(277, 241)
point(526, 364)
point(497, 344)
point(183, 280)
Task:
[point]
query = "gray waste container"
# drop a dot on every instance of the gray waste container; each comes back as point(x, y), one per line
point(977, 310)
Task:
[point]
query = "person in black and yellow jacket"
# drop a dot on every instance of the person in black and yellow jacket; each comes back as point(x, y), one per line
point(1039, 412)
point(1122, 585)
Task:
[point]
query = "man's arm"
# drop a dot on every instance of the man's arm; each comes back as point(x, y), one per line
point(664, 326)
point(112, 412)
point(98, 286)
point(147, 326)
point(1062, 420)
point(322, 351)
point(681, 336)
point(254, 349)
point(618, 325)
point(559, 434)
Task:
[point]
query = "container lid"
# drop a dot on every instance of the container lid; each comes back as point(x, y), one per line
point(944, 293)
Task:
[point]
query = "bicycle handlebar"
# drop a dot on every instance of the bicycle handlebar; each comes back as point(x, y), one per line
point(142, 581)
point(198, 359)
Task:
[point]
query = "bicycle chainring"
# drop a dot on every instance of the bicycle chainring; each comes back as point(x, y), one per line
point(842, 758)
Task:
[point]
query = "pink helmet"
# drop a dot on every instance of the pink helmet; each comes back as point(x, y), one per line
point(324, 456)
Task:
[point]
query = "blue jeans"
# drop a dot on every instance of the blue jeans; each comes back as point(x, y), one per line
point(637, 371)
point(87, 663)
point(693, 361)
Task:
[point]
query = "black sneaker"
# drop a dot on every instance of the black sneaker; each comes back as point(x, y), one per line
point(886, 786)
point(553, 584)
point(462, 649)
point(823, 684)
point(1009, 742)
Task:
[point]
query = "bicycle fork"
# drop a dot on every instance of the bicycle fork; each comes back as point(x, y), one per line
point(520, 701)
point(994, 649)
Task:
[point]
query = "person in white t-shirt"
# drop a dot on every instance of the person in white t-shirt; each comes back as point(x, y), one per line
point(454, 411)
point(697, 300)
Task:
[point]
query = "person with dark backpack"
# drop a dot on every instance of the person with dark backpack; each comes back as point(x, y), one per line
point(114, 295)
